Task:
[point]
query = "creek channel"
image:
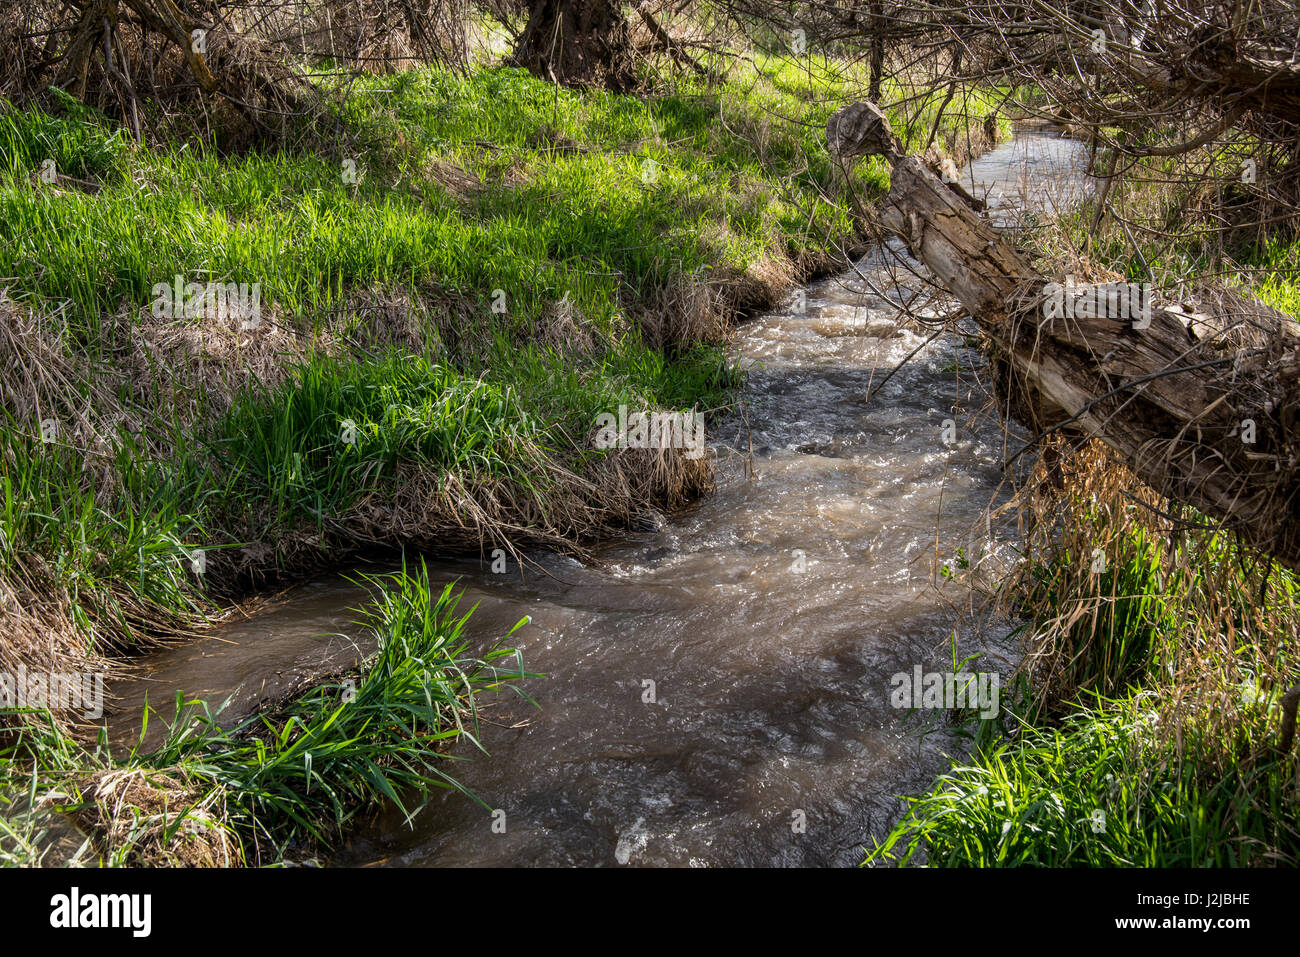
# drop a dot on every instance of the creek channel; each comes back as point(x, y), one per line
point(770, 617)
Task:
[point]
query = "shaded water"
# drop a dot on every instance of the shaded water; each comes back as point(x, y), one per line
point(770, 617)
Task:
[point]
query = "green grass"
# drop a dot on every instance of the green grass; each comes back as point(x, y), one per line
point(301, 773)
point(117, 568)
point(79, 142)
point(338, 430)
point(1101, 790)
point(590, 217)
point(1155, 705)
point(566, 205)
point(564, 213)
point(296, 776)
point(1275, 276)
point(1107, 651)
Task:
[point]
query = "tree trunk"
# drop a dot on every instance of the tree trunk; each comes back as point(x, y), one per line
point(1199, 402)
point(583, 42)
point(877, 48)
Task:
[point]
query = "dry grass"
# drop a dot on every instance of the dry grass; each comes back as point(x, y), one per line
point(1128, 589)
point(159, 818)
point(692, 309)
point(688, 309)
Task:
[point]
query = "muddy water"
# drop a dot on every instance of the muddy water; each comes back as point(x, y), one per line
point(769, 618)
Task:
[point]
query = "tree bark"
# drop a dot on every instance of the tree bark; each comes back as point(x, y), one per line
point(878, 24)
point(583, 42)
point(1201, 403)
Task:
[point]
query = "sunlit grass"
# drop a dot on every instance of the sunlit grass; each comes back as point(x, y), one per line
point(292, 777)
point(1146, 719)
point(535, 235)
point(1101, 790)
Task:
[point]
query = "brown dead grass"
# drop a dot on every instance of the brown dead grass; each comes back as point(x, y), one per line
point(1225, 624)
point(160, 818)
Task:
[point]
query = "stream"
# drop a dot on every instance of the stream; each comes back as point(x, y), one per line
point(769, 617)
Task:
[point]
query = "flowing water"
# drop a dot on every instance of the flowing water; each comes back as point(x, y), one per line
point(718, 690)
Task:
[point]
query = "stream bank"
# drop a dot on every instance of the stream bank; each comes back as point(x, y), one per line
point(718, 689)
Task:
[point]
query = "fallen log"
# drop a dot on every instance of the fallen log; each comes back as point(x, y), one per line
point(1198, 398)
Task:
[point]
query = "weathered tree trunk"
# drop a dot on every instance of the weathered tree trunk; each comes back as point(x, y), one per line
point(586, 41)
point(1200, 403)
